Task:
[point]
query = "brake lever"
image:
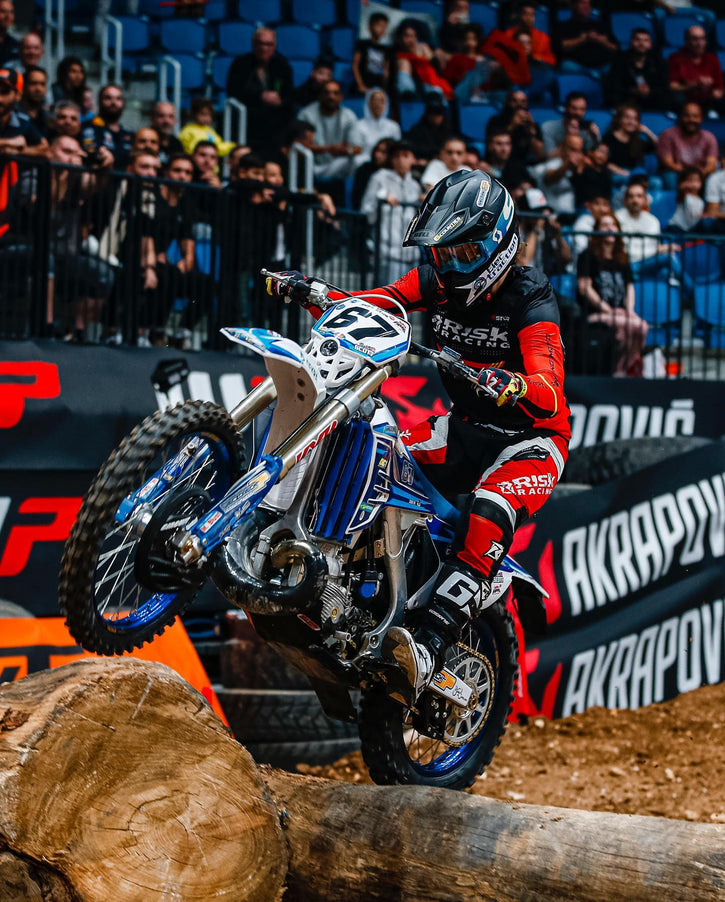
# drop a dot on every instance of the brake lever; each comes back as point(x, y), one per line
point(450, 361)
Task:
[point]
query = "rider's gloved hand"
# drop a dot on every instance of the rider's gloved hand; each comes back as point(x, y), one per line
point(502, 385)
point(289, 289)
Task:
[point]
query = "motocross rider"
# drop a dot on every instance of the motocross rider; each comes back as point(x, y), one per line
point(506, 448)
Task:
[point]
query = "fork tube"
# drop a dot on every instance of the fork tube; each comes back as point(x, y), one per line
point(254, 403)
point(328, 417)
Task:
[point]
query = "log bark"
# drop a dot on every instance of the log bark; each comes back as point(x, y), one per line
point(118, 782)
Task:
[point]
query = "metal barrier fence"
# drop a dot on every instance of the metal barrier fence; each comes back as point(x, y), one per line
point(98, 256)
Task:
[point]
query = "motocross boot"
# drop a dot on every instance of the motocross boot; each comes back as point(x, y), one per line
point(458, 596)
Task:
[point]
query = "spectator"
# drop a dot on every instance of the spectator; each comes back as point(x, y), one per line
point(594, 178)
point(429, 133)
point(262, 80)
point(583, 43)
point(606, 291)
point(379, 159)
point(690, 204)
point(18, 134)
point(687, 144)
point(201, 128)
point(70, 81)
point(146, 140)
point(206, 164)
point(31, 53)
point(9, 46)
point(498, 160)
point(526, 139)
point(543, 245)
point(336, 129)
point(628, 142)
point(449, 160)
point(715, 198)
point(66, 119)
point(456, 21)
point(648, 256)
point(572, 122)
point(695, 75)
point(375, 124)
point(106, 130)
point(309, 91)
point(466, 57)
point(233, 158)
point(511, 53)
point(417, 74)
point(163, 119)
point(554, 176)
point(389, 203)
point(371, 58)
point(35, 86)
point(637, 76)
point(583, 226)
point(541, 59)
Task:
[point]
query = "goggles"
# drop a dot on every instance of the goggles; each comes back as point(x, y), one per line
point(460, 258)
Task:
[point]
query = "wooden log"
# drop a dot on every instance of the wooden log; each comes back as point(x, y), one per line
point(429, 845)
point(118, 782)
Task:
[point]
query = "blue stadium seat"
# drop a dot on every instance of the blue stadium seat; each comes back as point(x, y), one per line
point(720, 32)
point(342, 72)
point(183, 36)
point(342, 42)
point(154, 10)
point(410, 113)
point(314, 12)
point(356, 104)
point(352, 12)
point(565, 286)
point(485, 15)
point(300, 71)
point(253, 11)
point(590, 86)
point(663, 205)
point(215, 11)
point(659, 304)
point(658, 122)
point(602, 119)
point(702, 262)
point(474, 118)
point(721, 57)
point(623, 23)
point(541, 114)
point(192, 71)
point(428, 7)
point(541, 20)
point(219, 71)
point(717, 127)
point(710, 312)
point(676, 26)
point(135, 40)
point(235, 37)
point(298, 42)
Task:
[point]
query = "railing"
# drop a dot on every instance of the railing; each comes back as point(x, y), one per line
point(235, 110)
point(111, 60)
point(54, 33)
point(166, 63)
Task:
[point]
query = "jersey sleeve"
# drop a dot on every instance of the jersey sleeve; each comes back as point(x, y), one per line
point(543, 356)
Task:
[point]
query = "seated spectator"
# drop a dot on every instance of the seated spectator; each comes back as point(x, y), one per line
point(262, 80)
point(573, 121)
point(336, 130)
point(232, 161)
point(18, 134)
point(638, 76)
point(648, 256)
point(9, 46)
point(449, 160)
point(106, 130)
point(541, 60)
point(582, 42)
point(527, 142)
point(695, 75)
point(371, 58)
point(715, 198)
point(476, 76)
point(163, 120)
point(375, 124)
point(628, 142)
point(31, 53)
point(201, 128)
point(498, 160)
point(206, 164)
point(379, 159)
point(543, 245)
point(146, 140)
point(473, 158)
point(390, 200)
point(606, 291)
point(593, 179)
point(554, 176)
point(583, 226)
point(686, 144)
point(70, 83)
point(309, 91)
point(430, 132)
point(511, 53)
point(456, 20)
point(466, 56)
point(690, 204)
point(417, 74)
point(35, 86)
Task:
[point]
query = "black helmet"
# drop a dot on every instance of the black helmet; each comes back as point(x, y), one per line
point(468, 229)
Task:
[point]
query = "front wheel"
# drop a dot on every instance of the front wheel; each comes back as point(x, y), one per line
point(396, 752)
point(119, 585)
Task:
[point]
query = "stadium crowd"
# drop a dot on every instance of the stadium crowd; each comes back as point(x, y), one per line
point(601, 169)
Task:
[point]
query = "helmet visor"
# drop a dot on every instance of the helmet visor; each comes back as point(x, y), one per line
point(460, 258)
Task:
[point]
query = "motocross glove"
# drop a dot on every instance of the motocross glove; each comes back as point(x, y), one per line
point(505, 387)
point(293, 288)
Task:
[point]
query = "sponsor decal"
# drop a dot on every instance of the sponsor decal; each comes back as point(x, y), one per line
point(248, 486)
point(495, 551)
point(328, 430)
point(59, 514)
point(21, 381)
point(536, 484)
point(448, 330)
point(207, 525)
point(407, 472)
point(483, 190)
point(448, 227)
point(489, 276)
point(607, 422)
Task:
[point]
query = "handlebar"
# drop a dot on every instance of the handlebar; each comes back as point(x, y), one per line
point(314, 290)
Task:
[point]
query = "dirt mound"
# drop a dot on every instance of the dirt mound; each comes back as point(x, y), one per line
point(665, 760)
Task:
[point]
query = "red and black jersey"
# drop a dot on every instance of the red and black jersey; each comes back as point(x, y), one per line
point(517, 330)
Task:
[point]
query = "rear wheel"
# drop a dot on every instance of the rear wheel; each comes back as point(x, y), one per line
point(397, 751)
point(120, 585)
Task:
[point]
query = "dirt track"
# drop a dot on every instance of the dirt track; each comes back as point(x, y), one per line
point(666, 760)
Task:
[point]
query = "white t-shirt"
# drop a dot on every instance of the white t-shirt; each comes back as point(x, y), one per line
point(715, 189)
point(645, 224)
point(559, 194)
point(582, 228)
point(437, 170)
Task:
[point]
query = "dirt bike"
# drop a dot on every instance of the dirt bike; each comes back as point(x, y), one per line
point(328, 538)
